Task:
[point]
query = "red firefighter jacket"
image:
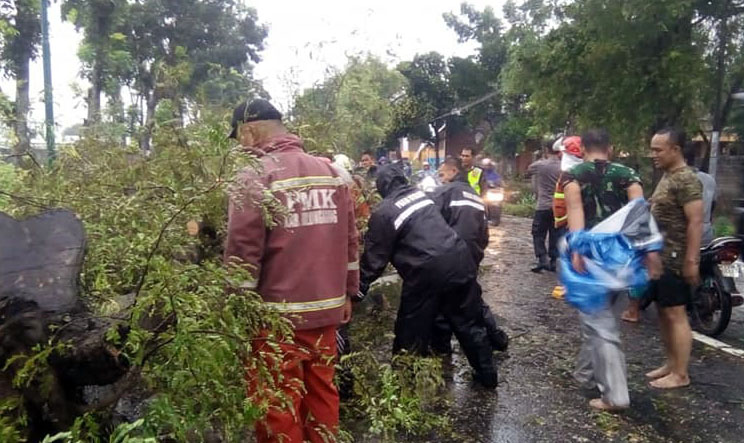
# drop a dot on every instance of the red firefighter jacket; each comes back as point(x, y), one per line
point(307, 264)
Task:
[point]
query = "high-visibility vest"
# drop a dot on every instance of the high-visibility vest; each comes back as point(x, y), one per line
point(474, 176)
point(560, 211)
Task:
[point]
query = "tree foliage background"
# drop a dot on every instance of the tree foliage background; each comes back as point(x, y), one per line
point(351, 110)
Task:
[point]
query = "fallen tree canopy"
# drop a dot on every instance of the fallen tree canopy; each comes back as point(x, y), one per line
point(145, 317)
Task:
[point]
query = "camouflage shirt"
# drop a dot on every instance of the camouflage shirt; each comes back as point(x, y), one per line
point(604, 188)
point(674, 191)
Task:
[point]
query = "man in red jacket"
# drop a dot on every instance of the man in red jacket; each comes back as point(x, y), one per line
point(305, 267)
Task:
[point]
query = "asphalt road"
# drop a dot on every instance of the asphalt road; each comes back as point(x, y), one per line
point(539, 401)
point(734, 334)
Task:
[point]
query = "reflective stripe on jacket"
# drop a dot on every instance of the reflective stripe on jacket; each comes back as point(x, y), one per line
point(560, 211)
point(305, 265)
point(465, 213)
point(408, 231)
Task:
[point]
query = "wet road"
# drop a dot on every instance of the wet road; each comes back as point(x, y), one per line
point(734, 334)
point(538, 400)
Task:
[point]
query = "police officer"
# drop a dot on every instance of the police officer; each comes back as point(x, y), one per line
point(437, 269)
point(464, 212)
point(475, 175)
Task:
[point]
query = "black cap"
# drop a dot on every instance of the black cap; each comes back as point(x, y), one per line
point(256, 110)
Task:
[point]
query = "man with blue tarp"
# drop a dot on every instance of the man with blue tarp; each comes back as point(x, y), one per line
point(595, 189)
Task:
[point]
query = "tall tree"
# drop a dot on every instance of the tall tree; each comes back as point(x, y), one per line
point(726, 61)
point(481, 75)
point(629, 65)
point(351, 110)
point(428, 96)
point(176, 44)
point(103, 52)
point(20, 44)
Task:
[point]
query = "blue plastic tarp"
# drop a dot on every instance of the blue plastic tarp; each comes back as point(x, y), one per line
point(613, 253)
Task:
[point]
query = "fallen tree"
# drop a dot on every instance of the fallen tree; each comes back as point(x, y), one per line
point(145, 318)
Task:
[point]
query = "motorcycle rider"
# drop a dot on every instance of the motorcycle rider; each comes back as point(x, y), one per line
point(464, 212)
point(493, 179)
point(436, 267)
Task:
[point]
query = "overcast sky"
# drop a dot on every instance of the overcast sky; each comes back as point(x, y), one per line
point(305, 39)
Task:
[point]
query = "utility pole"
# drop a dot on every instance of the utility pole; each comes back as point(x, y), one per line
point(48, 96)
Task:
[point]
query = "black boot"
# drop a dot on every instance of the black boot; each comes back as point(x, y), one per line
point(499, 340)
point(496, 336)
point(488, 379)
point(552, 266)
point(542, 263)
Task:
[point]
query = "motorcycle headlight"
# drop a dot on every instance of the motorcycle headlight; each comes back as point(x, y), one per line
point(494, 196)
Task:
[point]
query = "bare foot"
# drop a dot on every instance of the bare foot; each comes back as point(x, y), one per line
point(659, 372)
point(671, 381)
point(600, 405)
point(630, 317)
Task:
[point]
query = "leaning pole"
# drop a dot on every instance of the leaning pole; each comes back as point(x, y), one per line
point(48, 96)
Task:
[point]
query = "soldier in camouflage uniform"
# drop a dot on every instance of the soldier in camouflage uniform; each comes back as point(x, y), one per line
point(595, 190)
point(677, 205)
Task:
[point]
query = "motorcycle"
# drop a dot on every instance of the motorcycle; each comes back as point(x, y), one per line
point(713, 301)
point(494, 199)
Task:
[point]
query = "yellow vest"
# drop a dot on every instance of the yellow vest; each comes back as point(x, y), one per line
point(474, 176)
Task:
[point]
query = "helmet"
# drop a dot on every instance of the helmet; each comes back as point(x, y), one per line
point(572, 145)
point(343, 162)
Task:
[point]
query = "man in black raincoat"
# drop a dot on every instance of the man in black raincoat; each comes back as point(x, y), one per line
point(464, 212)
point(437, 270)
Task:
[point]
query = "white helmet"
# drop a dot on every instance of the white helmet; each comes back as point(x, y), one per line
point(343, 162)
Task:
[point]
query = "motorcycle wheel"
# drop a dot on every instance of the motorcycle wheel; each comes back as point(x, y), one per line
point(494, 215)
point(710, 308)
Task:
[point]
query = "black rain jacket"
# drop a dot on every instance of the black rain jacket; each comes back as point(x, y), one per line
point(463, 210)
point(408, 230)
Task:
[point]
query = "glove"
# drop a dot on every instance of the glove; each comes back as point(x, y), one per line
point(358, 297)
point(361, 294)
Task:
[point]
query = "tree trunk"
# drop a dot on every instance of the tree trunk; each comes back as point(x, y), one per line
point(146, 136)
point(717, 110)
point(94, 96)
point(22, 103)
point(119, 113)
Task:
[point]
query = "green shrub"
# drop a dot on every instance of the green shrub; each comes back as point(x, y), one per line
point(393, 396)
point(9, 180)
point(519, 210)
point(722, 226)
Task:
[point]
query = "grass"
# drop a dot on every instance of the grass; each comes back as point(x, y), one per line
point(519, 210)
point(521, 200)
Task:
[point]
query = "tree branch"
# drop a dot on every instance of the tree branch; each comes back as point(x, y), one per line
point(122, 386)
point(161, 235)
point(26, 200)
